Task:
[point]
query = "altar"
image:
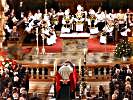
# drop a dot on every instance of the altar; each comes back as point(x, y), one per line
point(74, 42)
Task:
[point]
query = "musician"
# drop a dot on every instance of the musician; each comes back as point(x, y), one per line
point(79, 19)
point(66, 22)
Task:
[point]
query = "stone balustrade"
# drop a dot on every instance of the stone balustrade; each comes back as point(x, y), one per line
point(92, 72)
point(42, 76)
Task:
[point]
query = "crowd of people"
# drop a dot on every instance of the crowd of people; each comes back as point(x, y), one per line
point(14, 82)
point(121, 84)
point(47, 22)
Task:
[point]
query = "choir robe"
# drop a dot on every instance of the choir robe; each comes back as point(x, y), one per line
point(100, 20)
point(109, 34)
point(125, 31)
point(66, 27)
point(51, 37)
point(79, 19)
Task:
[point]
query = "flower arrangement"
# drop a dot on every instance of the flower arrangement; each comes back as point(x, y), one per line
point(123, 49)
point(9, 64)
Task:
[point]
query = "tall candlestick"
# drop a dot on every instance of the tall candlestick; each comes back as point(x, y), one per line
point(79, 66)
point(36, 30)
point(85, 50)
point(55, 66)
point(37, 49)
point(43, 49)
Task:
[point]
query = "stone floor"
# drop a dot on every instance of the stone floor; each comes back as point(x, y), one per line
point(69, 54)
point(74, 57)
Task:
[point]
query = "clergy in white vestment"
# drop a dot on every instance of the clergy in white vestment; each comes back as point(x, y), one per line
point(79, 19)
point(66, 22)
point(92, 22)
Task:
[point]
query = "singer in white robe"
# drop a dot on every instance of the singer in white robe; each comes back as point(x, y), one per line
point(108, 31)
point(51, 39)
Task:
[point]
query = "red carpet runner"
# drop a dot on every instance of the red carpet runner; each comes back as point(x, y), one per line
point(93, 46)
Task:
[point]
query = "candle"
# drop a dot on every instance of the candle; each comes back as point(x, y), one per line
point(55, 66)
point(85, 51)
point(79, 66)
point(36, 30)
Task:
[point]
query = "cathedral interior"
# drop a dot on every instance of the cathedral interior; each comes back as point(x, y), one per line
point(66, 50)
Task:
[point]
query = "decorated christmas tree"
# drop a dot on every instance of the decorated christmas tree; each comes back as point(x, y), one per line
point(123, 49)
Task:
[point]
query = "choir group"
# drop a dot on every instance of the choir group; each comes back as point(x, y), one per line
point(90, 21)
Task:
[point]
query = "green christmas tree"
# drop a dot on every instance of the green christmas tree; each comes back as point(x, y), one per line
point(123, 49)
